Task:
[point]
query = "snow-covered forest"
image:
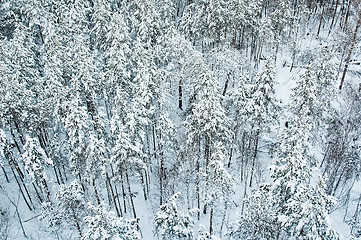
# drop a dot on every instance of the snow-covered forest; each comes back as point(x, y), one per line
point(180, 119)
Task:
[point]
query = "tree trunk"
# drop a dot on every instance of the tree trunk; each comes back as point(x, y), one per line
point(211, 221)
point(123, 193)
point(333, 17)
point(143, 186)
point(95, 191)
point(254, 158)
point(161, 173)
point(347, 15)
point(197, 188)
point(56, 175)
point(130, 193)
point(21, 191)
point(244, 194)
point(37, 193)
point(154, 143)
point(320, 23)
point(350, 51)
point(180, 95)
point(226, 84)
point(5, 174)
point(117, 209)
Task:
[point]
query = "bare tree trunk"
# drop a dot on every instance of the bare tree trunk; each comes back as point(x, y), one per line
point(350, 51)
point(226, 84)
point(21, 191)
point(244, 194)
point(96, 193)
point(154, 142)
point(223, 218)
point(37, 193)
point(254, 158)
point(333, 16)
point(5, 174)
point(197, 188)
point(242, 155)
point(320, 23)
point(130, 193)
point(123, 193)
point(18, 215)
point(347, 14)
point(161, 173)
point(180, 95)
point(143, 186)
point(77, 225)
point(117, 209)
point(211, 222)
point(56, 174)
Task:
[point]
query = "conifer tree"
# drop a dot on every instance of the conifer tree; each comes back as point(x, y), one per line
point(172, 224)
point(104, 225)
point(36, 162)
point(68, 210)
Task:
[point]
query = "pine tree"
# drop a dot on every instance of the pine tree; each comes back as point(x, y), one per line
point(70, 207)
point(219, 182)
point(77, 126)
point(36, 162)
point(208, 19)
point(259, 220)
point(104, 225)
point(204, 235)
point(172, 224)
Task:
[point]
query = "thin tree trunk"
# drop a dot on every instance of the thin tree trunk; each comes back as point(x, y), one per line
point(350, 51)
point(161, 172)
point(333, 17)
point(211, 221)
point(117, 209)
point(226, 84)
point(143, 186)
point(130, 193)
point(223, 218)
point(21, 191)
point(180, 95)
point(123, 193)
point(197, 188)
point(154, 142)
point(5, 174)
point(110, 199)
point(244, 194)
point(254, 158)
point(18, 130)
point(16, 142)
point(230, 157)
point(95, 191)
point(37, 193)
point(56, 175)
point(77, 225)
point(347, 15)
point(19, 218)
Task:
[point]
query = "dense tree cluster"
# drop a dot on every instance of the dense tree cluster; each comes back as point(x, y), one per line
point(110, 109)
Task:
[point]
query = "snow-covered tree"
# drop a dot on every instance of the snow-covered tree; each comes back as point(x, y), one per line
point(219, 184)
point(105, 225)
point(263, 97)
point(170, 223)
point(259, 221)
point(207, 120)
point(292, 191)
point(203, 234)
point(77, 126)
point(70, 207)
point(36, 163)
point(207, 19)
